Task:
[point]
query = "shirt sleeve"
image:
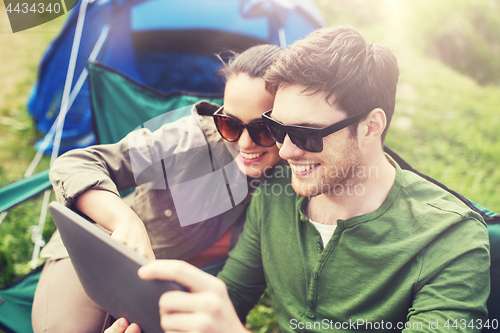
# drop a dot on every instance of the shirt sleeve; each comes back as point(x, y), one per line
point(243, 272)
point(454, 283)
point(136, 160)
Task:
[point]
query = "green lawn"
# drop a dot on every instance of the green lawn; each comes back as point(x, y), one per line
point(20, 55)
point(445, 125)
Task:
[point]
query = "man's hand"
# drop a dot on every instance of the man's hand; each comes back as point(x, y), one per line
point(205, 308)
point(122, 326)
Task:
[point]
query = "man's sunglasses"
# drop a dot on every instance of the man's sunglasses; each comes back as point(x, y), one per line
point(307, 138)
point(231, 129)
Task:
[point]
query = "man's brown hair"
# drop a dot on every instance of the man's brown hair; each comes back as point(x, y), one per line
point(354, 74)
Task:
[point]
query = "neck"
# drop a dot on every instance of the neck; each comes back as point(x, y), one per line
point(363, 194)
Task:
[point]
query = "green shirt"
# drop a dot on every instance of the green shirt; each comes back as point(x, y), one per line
point(420, 261)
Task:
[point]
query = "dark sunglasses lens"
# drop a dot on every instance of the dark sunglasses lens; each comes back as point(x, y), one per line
point(306, 140)
point(276, 130)
point(260, 134)
point(229, 129)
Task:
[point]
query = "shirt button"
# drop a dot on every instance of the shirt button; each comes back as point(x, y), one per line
point(315, 275)
point(319, 247)
point(310, 305)
point(168, 213)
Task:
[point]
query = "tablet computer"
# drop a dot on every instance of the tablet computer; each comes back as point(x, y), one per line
point(107, 270)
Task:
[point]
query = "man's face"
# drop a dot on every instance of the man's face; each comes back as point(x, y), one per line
point(330, 171)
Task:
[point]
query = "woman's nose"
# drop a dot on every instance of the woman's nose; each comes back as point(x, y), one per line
point(245, 141)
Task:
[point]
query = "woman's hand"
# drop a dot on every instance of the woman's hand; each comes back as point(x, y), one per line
point(109, 210)
point(133, 234)
point(122, 326)
point(205, 308)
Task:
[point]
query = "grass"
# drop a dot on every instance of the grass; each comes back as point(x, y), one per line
point(20, 55)
point(445, 125)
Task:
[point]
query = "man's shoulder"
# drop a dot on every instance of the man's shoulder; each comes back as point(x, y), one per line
point(431, 198)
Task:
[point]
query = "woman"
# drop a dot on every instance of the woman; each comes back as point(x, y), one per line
point(89, 179)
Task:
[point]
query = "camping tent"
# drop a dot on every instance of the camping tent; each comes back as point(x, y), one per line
point(165, 44)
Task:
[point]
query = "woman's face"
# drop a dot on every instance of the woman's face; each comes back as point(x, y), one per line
point(246, 98)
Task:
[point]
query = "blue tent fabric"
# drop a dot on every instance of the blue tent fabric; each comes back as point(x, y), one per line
point(168, 45)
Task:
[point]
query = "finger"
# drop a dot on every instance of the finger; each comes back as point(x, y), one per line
point(144, 249)
point(181, 322)
point(145, 252)
point(133, 328)
point(119, 238)
point(180, 271)
point(118, 326)
point(178, 301)
point(150, 254)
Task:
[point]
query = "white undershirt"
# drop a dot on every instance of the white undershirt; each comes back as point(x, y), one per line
point(325, 230)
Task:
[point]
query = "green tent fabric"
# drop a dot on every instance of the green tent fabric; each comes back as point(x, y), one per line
point(15, 303)
point(16, 299)
point(17, 192)
point(119, 104)
point(486, 211)
point(494, 299)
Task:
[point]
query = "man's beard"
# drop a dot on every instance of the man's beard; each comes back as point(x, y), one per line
point(339, 177)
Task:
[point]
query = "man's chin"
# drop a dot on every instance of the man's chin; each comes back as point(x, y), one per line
point(305, 189)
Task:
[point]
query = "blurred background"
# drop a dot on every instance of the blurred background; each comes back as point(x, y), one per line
point(446, 122)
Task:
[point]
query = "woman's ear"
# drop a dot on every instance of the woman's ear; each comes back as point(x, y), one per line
point(372, 127)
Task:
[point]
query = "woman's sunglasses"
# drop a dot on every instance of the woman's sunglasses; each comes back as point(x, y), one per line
point(231, 129)
point(307, 138)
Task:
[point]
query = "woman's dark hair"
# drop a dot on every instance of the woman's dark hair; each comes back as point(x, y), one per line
point(254, 61)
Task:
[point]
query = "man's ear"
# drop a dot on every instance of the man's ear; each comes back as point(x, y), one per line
point(372, 127)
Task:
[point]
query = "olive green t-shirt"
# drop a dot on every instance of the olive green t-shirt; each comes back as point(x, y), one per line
point(420, 261)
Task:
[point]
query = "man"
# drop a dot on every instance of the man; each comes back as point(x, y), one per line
point(364, 245)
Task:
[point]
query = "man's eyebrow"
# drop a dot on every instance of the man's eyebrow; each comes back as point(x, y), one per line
point(311, 125)
point(305, 124)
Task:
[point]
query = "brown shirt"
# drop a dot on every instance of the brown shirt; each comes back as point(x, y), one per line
point(131, 163)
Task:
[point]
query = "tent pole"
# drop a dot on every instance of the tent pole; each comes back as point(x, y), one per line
point(37, 239)
point(60, 122)
point(282, 37)
point(74, 93)
point(69, 80)
point(2, 216)
point(38, 230)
